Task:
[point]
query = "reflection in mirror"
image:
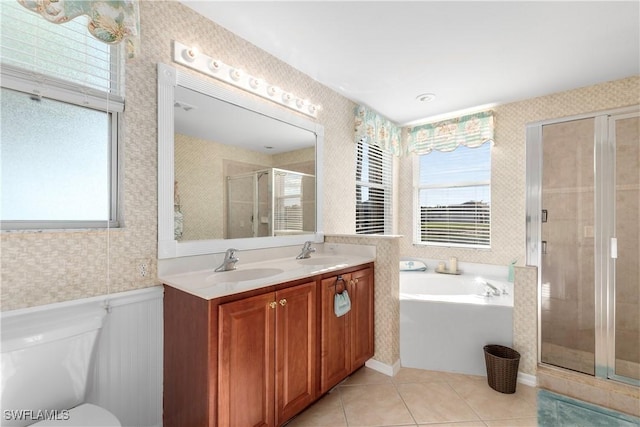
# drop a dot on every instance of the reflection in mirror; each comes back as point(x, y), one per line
point(239, 173)
point(241, 170)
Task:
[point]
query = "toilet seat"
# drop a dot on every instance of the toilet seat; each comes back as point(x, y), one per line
point(84, 415)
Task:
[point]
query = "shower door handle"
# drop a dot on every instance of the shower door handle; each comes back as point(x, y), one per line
point(614, 248)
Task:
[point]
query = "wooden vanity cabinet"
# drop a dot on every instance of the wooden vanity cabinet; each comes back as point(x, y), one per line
point(267, 357)
point(346, 342)
point(261, 357)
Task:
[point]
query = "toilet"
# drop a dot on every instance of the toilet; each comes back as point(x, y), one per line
point(47, 359)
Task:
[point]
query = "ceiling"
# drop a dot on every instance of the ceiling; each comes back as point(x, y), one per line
point(195, 113)
point(471, 54)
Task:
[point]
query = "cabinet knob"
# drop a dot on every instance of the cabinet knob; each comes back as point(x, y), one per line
point(272, 304)
point(283, 302)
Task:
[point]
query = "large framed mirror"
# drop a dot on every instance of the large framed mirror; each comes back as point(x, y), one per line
point(233, 170)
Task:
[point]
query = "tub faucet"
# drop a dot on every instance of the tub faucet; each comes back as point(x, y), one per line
point(306, 250)
point(229, 262)
point(491, 290)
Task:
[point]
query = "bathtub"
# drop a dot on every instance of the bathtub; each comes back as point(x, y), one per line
point(446, 320)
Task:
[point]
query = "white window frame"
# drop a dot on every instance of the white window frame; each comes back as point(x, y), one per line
point(32, 64)
point(386, 185)
point(417, 217)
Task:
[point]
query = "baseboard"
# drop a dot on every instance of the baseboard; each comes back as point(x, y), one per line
point(390, 370)
point(527, 379)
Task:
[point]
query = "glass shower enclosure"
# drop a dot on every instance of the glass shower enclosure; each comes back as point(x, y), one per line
point(270, 202)
point(583, 234)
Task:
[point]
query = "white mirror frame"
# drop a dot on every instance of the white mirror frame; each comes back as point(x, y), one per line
point(170, 77)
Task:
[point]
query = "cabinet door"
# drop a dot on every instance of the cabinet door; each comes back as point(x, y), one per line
point(361, 317)
point(334, 344)
point(245, 362)
point(296, 347)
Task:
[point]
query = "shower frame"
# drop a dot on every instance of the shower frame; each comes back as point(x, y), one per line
point(604, 227)
point(256, 175)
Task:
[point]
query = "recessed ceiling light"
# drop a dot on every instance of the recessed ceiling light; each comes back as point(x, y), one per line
point(426, 97)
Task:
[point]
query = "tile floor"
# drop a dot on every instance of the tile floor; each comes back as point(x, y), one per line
point(416, 397)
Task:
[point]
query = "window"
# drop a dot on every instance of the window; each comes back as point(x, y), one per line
point(453, 196)
point(373, 189)
point(59, 107)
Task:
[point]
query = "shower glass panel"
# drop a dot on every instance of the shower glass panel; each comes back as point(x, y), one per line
point(627, 231)
point(249, 205)
point(568, 269)
point(240, 209)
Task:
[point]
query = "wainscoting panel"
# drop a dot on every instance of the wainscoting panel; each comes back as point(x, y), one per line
point(128, 374)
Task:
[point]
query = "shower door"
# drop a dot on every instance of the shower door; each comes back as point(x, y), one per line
point(625, 261)
point(583, 233)
point(567, 249)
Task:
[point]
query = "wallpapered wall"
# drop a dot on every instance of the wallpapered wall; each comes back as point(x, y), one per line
point(40, 268)
point(508, 169)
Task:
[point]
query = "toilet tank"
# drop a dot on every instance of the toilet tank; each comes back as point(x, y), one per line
point(46, 358)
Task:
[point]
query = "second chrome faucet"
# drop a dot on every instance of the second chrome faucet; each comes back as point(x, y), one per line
point(307, 250)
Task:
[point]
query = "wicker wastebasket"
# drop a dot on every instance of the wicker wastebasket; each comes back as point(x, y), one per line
point(502, 367)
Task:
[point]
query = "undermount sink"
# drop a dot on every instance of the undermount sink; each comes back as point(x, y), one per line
point(242, 275)
point(322, 261)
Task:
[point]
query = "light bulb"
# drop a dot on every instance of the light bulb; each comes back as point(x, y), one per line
point(272, 90)
point(190, 54)
point(215, 65)
point(254, 83)
point(286, 97)
point(235, 74)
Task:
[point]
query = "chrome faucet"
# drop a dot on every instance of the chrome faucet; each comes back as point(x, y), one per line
point(229, 262)
point(491, 290)
point(307, 250)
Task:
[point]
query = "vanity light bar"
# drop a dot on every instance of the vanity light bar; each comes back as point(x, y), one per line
point(190, 57)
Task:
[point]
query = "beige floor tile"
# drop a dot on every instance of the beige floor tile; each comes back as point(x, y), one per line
point(514, 422)
point(435, 402)
point(366, 376)
point(411, 375)
point(463, 424)
point(492, 405)
point(326, 412)
point(374, 405)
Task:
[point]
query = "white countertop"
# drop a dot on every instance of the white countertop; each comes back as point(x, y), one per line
point(209, 284)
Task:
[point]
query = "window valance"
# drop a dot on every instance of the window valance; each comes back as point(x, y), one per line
point(374, 129)
point(110, 21)
point(471, 131)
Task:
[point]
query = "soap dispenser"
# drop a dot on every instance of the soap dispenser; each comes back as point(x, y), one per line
point(512, 272)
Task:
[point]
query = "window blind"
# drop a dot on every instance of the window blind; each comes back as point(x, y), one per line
point(288, 212)
point(454, 197)
point(61, 61)
point(373, 189)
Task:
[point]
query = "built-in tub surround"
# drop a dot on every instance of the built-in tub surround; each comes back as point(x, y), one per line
point(386, 299)
point(474, 308)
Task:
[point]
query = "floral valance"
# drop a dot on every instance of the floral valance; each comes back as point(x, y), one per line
point(377, 130)
point(471, 131)
point(110, 21)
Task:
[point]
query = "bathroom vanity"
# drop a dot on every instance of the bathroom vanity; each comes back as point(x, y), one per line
point(258, 350)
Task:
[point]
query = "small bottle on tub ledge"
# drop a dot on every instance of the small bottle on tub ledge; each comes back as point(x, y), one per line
point(453, 267)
